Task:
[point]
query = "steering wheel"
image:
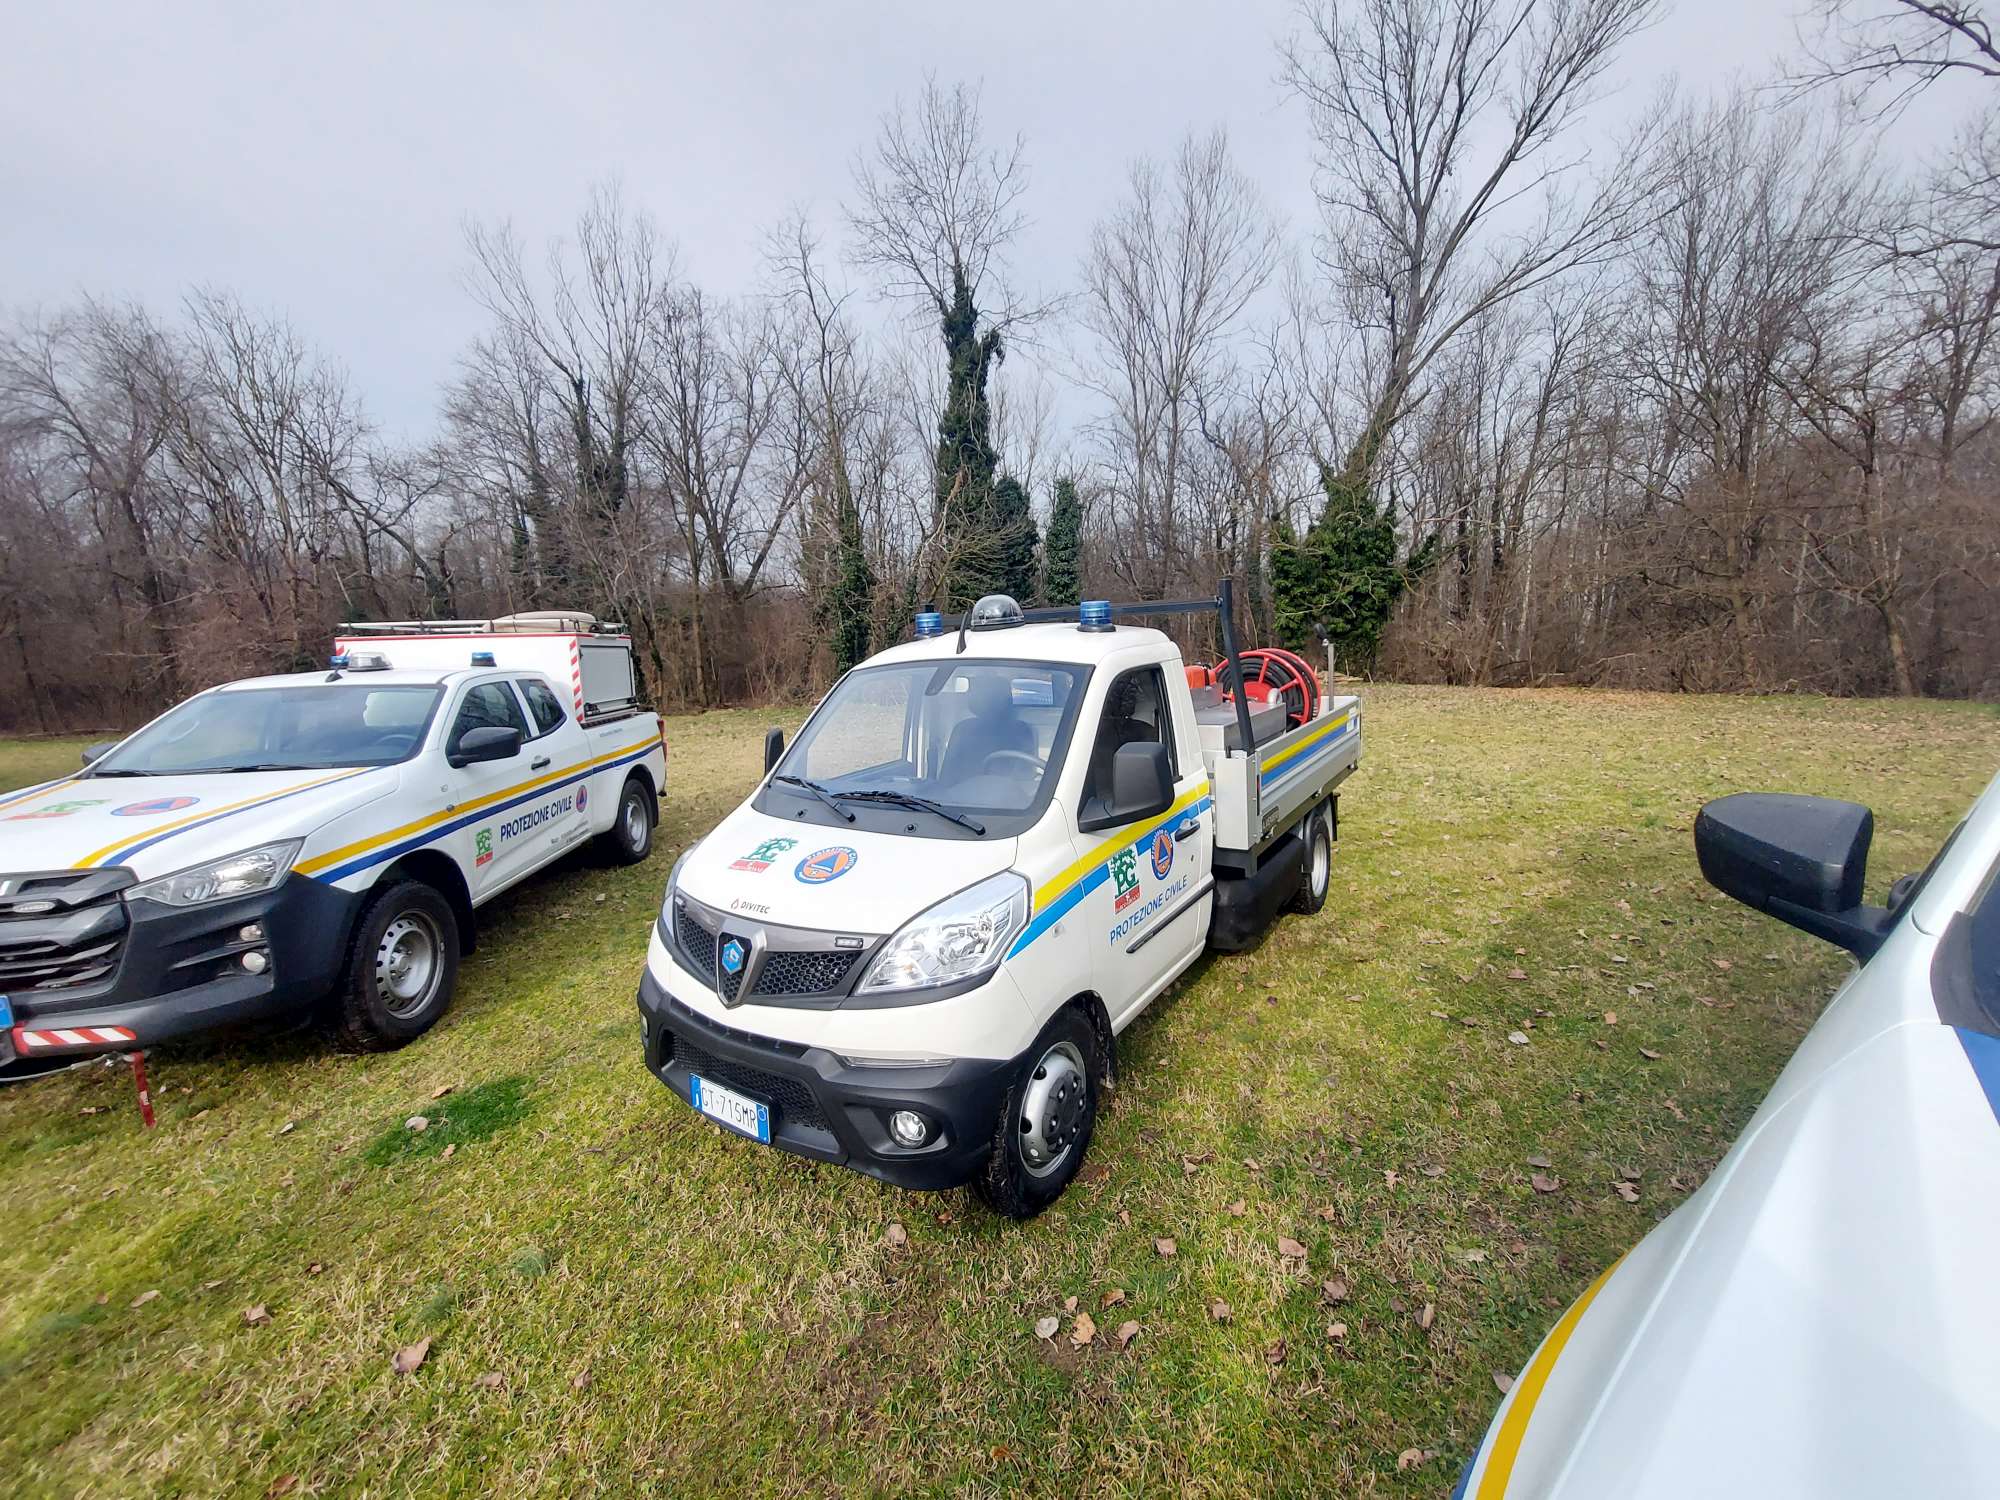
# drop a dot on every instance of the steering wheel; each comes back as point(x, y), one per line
point(1034, 763)
point(396, 744)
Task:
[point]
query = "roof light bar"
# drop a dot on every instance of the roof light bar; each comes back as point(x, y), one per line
point(1094, 615)
point(929, 623)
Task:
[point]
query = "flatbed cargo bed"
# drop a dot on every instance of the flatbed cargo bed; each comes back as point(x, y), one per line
point(1260, 796)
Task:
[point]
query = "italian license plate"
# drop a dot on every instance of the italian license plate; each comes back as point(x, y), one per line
point(731, 1108)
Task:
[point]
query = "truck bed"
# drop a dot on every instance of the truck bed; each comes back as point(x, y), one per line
point(1259, 796)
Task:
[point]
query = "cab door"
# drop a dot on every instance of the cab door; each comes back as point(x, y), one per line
point(501, 842)
point(1146, 910)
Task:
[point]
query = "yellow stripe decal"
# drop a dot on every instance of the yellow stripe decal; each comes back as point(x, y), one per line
point(1331, 726)
point(1507, 1441)
point(1056, 885)
point(155, 830)
point(375, 841)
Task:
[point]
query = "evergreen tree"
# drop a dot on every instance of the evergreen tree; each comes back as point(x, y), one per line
point(965, 457)
point(1014, 540)
point(1062, 549)
point(1342, 578)
point(853, 592)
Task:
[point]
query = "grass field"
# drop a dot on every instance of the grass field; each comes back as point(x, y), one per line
point(620, 1297)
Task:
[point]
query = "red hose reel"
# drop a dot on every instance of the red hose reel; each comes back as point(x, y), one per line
point(1270, 674)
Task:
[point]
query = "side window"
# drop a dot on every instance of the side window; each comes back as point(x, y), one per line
point(1135, 713)
point(542, 704)
point(491, 703)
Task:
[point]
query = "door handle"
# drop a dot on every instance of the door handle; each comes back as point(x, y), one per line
point(537, 763)
point(1187, 831)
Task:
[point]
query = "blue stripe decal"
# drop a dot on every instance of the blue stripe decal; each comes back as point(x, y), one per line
point(1265, 778)
point(125, 854)
point(432, 835)
point(1089, 882)
point(1983, 1052)
point(28, 791)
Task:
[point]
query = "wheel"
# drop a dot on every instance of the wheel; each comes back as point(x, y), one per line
point(1045, 1121)
point(1318, 873)
point(401, 968)
point(630, 838)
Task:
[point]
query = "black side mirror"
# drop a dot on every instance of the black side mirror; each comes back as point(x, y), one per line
point(487, 742)
point(774, 749)
point(1142, 784)
point(97, 752)
point(1799, 859)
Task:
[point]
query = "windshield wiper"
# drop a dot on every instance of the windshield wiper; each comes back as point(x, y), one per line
point(269, 765)
point(818, 791)
point(921, 804)
point(119, 771)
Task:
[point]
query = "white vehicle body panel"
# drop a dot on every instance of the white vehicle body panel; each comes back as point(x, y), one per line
point(1819, 1318)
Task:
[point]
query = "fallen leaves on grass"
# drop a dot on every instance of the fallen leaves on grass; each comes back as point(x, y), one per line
point(410, 1358)
point(491, 1380)
point(1112, 1298)
point(1626, 1191)
point(1517, 973)
point(1166, 1247)
point(1539, 1160)
point(1336, 1331)
point(256, 1317)
point(1413, 1458)
point(895, 1236)
point(1649, 1054)
point(417, 1122)
point(1045, 1328)
point(442, 1089)
point(1611, 1018)
point(1275, 1352)
point(1221, 1311)
point(1504, 1381)
point(1127, 1331)
point(1333, 1290)
point(1192, 1164)
point(143, 1298)
point(1541, 1182)
point(1426, 1316)
point(1084, 1330)
point(1290, 1248)
point(1239, 1208)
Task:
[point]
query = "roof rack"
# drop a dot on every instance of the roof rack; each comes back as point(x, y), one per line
point(1223, 605)
point(528, 622)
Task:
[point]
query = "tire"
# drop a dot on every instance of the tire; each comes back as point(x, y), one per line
point(1317, 876)
point(402, 967)
point(1058, 1083)
point(629, 840)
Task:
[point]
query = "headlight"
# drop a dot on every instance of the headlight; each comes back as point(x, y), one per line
point(674, 875)
point(962, 936)
point(242, 874)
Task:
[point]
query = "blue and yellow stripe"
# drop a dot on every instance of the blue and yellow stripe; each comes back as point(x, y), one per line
point(338, 864)
point(35, 791)
point(1061, 892)
point(123, 849)
point(1307, 748)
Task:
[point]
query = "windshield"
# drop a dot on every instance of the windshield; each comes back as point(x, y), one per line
point(981, 739)
point(309, 727)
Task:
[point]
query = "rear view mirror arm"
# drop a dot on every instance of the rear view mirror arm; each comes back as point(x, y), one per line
point(1860, 929)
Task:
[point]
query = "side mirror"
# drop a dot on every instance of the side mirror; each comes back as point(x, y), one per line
point(488, 742)
point(1142, 784)
point(774, 749)
point(97, 752)
point(1799, 859)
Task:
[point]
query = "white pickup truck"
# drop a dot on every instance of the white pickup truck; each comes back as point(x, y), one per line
point(271, 843)
point(989, 849)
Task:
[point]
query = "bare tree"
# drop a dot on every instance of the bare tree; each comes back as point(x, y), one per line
point(1437, 122)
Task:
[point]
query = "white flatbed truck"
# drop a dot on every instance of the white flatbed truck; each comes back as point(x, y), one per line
point(910, 950)
point(271, 845)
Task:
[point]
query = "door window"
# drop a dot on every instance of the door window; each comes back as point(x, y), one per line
point(1135, 713)
point(491, 704)
point(542, 703)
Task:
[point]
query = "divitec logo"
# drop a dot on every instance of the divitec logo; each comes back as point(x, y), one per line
point(823, 865)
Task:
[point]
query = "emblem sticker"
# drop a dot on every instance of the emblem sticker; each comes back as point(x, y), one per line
point(732, 957)
point(1125, 875)
point(156, 805)
point(758, 860)
point(582, 798)
point(59, 809)
point(826, 864)
point(482, 843)
point(1163, 854)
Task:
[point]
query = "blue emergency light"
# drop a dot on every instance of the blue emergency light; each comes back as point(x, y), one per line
point(338, 661)
point(482, 658)
point(929, 623)
point(1094, 615)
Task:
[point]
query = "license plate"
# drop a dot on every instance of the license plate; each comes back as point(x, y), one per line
point(731, 1108)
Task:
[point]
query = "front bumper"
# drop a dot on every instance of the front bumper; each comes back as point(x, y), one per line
point(826, 1110)
point(179, 971)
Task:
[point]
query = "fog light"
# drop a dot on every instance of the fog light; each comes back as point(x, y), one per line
point(255, 962)
point(254, 933)
point(909, 1128)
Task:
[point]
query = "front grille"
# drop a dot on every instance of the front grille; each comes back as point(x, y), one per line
point(696, 942)
point(61, 931)
point(791, 1099)
point(803, 973)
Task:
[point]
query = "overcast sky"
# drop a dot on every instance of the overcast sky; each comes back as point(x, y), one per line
point(322, 165)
